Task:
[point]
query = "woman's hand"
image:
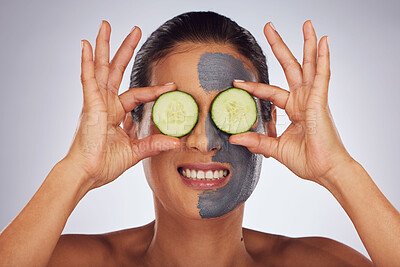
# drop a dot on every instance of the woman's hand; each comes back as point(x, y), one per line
point(101, 148)
point(310, 147)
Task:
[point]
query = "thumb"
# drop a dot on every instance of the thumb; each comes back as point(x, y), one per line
point(153, 145)
point(257, 143)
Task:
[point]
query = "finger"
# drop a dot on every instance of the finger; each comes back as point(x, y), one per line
point(257, 143)
point(91, 94)
point(309, 54)
point(121, 59)
point(102, 55)
point(134, 96)
point(153, 145)
point(275, 94)
point(288, 62)
point(323, 72)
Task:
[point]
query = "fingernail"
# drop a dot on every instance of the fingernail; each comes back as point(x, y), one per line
point(177, 144)
point(233, 142)
point(134, 27)
point(272, 26)
point(169, 83)
point(239, 81)
point(82, 44)
point(327, 40)
point(312, 25)
point(174, 145)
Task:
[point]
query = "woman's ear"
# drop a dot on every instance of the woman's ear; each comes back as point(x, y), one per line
point(129, 126)
point(270, 127)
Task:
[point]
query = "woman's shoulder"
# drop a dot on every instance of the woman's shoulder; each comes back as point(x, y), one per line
point(279, 250)
point(129, 245)
point(108, 249)
point(123, 247)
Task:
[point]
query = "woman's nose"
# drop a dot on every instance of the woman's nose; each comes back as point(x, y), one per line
point(205, 136)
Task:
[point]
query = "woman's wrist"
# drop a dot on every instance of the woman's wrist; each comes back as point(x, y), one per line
point(75, 173)
point(347, 166)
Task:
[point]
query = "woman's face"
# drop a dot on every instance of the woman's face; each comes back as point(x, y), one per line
point(202, 71)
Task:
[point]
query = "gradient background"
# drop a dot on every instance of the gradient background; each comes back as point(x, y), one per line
point(42, 100)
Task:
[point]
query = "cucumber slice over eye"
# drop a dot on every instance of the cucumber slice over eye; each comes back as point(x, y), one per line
point(175, 113)
point(234, 111)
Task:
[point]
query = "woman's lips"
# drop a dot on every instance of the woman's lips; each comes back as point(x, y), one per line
point(204, 175)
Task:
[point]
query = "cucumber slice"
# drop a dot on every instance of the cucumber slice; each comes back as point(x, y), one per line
point(234, 111)
point(175, 113)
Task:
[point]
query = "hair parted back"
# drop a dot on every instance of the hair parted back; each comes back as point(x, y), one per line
point(200, 27)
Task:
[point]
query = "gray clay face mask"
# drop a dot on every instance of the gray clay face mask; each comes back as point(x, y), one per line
point(216, 72)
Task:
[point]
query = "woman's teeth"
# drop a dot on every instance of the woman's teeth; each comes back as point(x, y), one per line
point(203, 175)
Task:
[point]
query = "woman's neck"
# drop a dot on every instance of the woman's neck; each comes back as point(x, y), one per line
point(182, 241)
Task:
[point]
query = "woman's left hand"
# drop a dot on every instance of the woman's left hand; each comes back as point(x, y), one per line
point(310, 147)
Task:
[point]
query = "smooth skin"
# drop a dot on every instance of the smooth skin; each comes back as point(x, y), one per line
point(102, 150)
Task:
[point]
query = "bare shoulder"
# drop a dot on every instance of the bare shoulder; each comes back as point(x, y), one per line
point(81, 250)
point(109, 249)
point(277, 250)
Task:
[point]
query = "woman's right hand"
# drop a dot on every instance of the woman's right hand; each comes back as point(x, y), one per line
point(101, 148)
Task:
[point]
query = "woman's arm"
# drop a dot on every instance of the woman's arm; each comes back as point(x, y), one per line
point(375, 219)
point(311, 146)
point(100, 152)
point(32, 236)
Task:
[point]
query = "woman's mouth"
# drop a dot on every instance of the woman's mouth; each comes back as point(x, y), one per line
point(203, 175)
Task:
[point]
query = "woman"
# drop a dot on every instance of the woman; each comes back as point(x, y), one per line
point(199, 222)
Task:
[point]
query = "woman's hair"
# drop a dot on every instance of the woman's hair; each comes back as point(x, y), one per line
point(199, 28)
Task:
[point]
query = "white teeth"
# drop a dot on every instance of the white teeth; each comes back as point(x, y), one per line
point(204, 176)
point(200, 175)
point(216, 175)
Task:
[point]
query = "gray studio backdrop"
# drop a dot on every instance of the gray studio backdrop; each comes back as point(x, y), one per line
point(42, 100)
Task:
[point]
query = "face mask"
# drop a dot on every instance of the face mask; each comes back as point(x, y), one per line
point(217, 72)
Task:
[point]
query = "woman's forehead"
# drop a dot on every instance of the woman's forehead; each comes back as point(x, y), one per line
point(211, 68)
point(217, 70)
